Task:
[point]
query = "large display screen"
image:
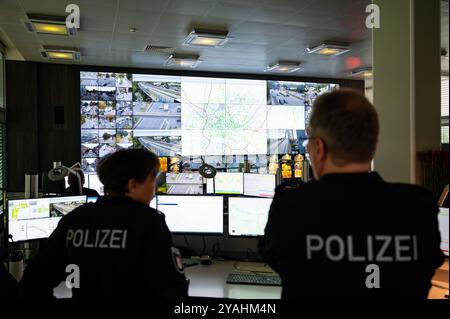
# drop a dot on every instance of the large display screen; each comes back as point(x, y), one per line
point(192, 116)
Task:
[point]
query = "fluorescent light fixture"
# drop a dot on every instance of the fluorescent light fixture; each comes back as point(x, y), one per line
point(44, 24)
point(330, 48)
point(182, 60)
point(284, 67)
point(364, 71)
point(61, 53)
point(208, 38)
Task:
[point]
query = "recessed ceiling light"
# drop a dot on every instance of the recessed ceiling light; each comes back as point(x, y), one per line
point(330, 48)
point(43, 24)
point(284, 67)
point(208, 38)
point(364, 71)
point(183, 60)
point(61, 53)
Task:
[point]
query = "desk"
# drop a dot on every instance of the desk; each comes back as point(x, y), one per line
point(210, 281)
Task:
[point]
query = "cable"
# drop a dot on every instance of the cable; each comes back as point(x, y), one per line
point(204, 246)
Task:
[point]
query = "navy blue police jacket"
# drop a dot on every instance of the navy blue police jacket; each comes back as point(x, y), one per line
point(121, 248)
point(353, 236)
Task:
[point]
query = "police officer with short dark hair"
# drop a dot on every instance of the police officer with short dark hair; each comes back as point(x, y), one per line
point(120, 246)
point(349, 234)
point(73, 189)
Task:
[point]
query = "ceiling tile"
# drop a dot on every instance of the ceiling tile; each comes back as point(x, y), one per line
point(143, 21)
point(143, 5)
point(271, 14)
point(191, 7)
point(234, 11)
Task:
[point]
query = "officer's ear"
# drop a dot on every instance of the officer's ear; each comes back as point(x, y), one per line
point(320, 149)
point(132, 185)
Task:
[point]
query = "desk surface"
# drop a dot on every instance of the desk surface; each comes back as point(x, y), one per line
point(210, 281)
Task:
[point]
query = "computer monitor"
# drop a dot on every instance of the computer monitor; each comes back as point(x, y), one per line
point(247, 216)
point(229, 183)
point(260, 185)
point(443, 228)
point(153, 203)
point(30, 219)
point(192, 214)
point(188, 183)
point(66, 182)
point(210, 186)
point(94, 183)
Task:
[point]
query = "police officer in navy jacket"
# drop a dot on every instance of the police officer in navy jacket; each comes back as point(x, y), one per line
point(350, 234)
point(119, 245)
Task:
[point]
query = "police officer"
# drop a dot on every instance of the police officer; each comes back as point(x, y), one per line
point(73, 189)
point(349, 234)
point(116, 247)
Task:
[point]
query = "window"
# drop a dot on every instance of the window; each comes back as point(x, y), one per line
point(444, 109)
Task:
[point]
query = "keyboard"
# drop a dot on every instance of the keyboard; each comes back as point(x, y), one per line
point(253, 279)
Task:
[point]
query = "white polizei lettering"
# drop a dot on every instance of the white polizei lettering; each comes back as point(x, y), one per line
point(86, 237)
point(341, 246)
point(97, 235)
point(69, 237)
point(416, 257)
point(369, 248)
point(124, 239)
point(351, 257)
point(105, 233)
point(115, 236)
point(399, 248)
point(79, 242)
point(310, 248)
point(380, 256)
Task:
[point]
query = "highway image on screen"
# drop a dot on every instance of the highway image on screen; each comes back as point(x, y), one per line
point(157, 116)
point(247, 216)
point(229, 183)
point(192, 214)
point(189, 183)
point(62, 208)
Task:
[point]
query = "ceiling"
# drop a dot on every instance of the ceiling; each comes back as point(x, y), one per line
point(262, 31)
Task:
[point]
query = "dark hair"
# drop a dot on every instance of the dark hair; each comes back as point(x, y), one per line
point(115, 170)
point(348, 123)
point(72, 179)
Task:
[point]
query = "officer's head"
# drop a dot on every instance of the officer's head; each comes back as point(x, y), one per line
point(72, 179)
point(342, 133)
point(130, 173)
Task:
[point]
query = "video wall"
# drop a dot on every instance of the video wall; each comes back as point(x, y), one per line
point(219, 119)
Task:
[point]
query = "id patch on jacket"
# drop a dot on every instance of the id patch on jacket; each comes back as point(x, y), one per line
point(177, 261)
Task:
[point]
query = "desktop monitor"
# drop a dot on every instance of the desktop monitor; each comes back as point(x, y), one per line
point(247, 216)
point(30, 219)
point(153, 203)
point(229, 183)
point(94, 183)
point(443, 228)
point(188, 183)
point(259, 185)
point(192, 214)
